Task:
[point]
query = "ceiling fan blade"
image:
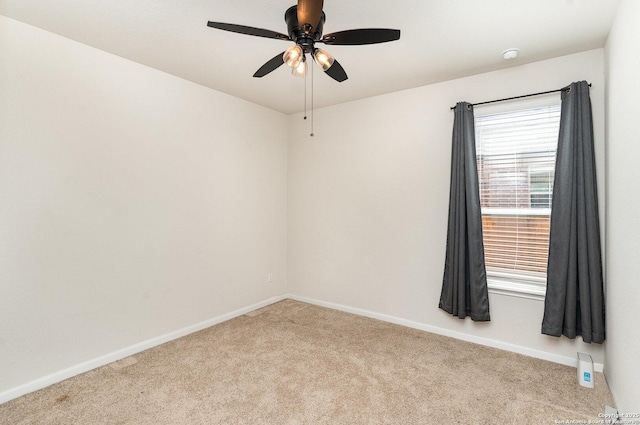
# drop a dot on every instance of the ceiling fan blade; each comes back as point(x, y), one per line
point(336, 71)
point(271, 65)
point(242, 29)
point(309, 13)
point(361, 36)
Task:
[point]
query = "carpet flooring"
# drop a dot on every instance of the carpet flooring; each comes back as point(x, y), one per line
point(295, 363)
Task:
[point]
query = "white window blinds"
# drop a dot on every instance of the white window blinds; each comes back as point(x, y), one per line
point(516, 153)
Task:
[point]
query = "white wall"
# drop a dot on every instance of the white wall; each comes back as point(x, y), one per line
point(623, 208)
point(368, 201)
point(132, 204)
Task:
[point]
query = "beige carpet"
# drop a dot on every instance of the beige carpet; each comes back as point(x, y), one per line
point(294, 363)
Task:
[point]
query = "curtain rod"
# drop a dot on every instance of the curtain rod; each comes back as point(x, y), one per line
point(518, 97)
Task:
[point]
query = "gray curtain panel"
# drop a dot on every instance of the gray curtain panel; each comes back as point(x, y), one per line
point(574, 304)
point(464, 286)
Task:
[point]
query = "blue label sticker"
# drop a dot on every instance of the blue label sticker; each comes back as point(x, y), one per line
point(587, 377)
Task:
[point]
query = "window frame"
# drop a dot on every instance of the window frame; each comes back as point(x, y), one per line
point(500, 282)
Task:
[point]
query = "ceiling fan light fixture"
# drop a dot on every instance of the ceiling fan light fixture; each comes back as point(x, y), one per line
point(305, 23)
point(301, 69)
point(323, 58)
point(293, 56)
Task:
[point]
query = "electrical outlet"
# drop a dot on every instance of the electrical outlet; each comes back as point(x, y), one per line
point(270, 278)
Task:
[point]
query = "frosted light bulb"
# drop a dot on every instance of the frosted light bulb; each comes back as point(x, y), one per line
point(293, 56)
point(323, 58)
point(301, 69)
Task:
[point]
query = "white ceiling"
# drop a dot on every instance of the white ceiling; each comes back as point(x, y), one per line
point(440, 40)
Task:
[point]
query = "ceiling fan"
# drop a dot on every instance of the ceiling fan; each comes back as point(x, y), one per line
point(304, 25)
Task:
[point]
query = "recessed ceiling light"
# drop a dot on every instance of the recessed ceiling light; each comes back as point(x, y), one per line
point(511, 53)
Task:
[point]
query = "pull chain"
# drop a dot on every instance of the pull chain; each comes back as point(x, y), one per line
point(305, 96)
point(312, 99)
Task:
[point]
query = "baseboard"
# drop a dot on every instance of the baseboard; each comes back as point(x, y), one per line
point(70, 372)
point(126, 352)
point(555, 358)
point(605, 372)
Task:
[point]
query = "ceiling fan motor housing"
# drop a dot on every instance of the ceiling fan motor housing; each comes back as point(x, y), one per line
point(303, 37)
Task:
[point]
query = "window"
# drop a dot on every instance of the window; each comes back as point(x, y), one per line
point(516, 153)
point(541, 186)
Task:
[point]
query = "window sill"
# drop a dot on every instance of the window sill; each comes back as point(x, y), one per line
point(516, 289)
